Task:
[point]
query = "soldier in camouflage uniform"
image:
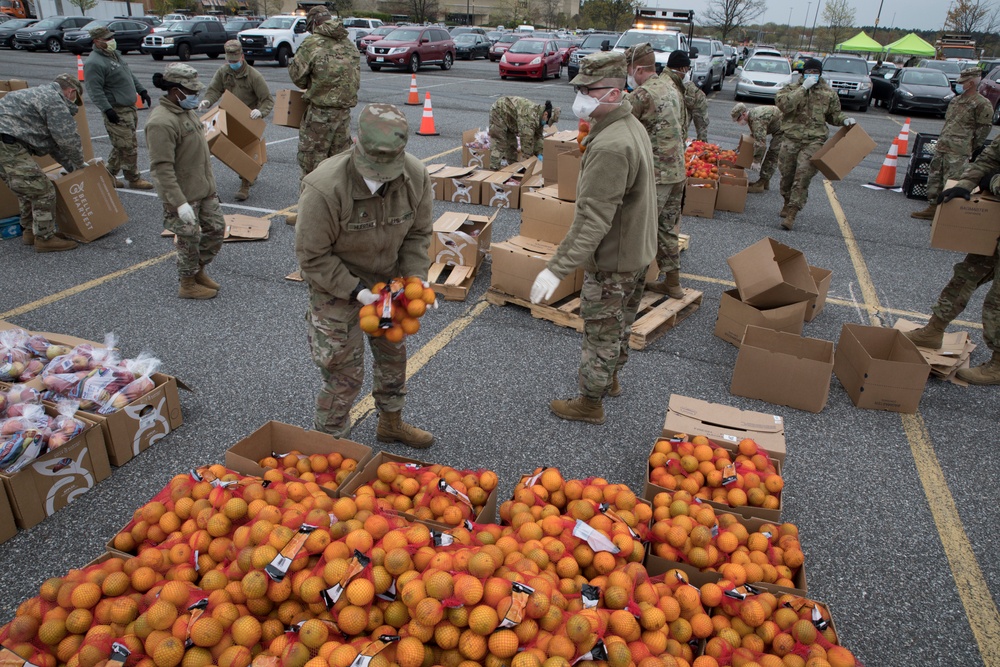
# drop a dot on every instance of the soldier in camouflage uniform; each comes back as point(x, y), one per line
point(249, 87)
point(970, 274)
point(613, 235)
point(113, 88)
point(762, 121)
point(366, 218)
point(695, 101)
point(514, 119)
point(181, 166)
point(39, 121)
point(806, 105)
point(966, 126)
point(660, 108)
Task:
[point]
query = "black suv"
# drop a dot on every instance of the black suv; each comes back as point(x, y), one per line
point(233, 26)
point(48, 33)
point(128, 34)
point(186, 38)
point(592, 44)
point(8, 28)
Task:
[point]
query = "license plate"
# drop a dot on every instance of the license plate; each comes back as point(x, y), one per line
point(380, 60)
point(843, 92)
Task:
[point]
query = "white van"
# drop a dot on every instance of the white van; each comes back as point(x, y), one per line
point(525, 28)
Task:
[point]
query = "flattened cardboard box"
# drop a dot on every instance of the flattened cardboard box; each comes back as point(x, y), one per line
point(770, 274)
point(822, 278)
point(880, 368)
point(699, 197)
point(461, 238)
point(289, 108)
point(967, 226)
point(784, 369)
point(474, 157)
point(734, 317)
point(275, 437)
point(87, 205)
point(544, 217)
point(843, 152)
point(725, 425)
point(519, 259)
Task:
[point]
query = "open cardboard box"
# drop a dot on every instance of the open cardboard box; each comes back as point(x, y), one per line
point(238, 228)
point(545, 217)
point(881, 369)
point(451, 281)
point(474, 157)
point(744, 151)
point(732, 193)
point(235, 138)
point(8, 528)
point(501, 189)
point(466, 188)
point(552, 146)
point(277, 438)
point(734, 317)
point(967, 226)
point(783, 368)
point(461, 238)
point(822, 278)
point(769, 274)
point(843, 152)
point(519, 259)
point(289, 108)
point(441, 178)
point(700, 195)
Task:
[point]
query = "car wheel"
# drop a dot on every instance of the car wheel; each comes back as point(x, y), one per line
point(449, 60)
point(414, 65)
point(284, 53)
point(559, 72)
point(503, 76)
point(892, 104)
point(53, 45)
point(718, 84)
point(996, 115)
point(184, 52)
point(157, 56)
point(123, 51)
point(250, 62)
point(213, 56)
point(374, 68)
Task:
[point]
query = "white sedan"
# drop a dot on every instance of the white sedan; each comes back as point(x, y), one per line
point(762, 77)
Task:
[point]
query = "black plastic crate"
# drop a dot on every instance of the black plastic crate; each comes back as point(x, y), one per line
point(919, 166)
point(915, 187)
point(924, 145)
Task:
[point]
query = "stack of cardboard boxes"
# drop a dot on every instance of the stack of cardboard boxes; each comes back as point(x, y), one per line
point(703, 196)
point(457, 250)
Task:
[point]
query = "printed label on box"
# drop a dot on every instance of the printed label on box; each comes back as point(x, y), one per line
point(73, 479)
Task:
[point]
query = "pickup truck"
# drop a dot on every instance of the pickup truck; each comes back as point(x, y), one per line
point(186, 38)
point(277, 38)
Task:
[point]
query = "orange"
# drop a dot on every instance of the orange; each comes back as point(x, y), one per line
point(207, 632)
point(394, 334)
point(360, 592)
point(410, 650)
point(369, 323)
point(169, 652)
point(161, 615)
point(314, 633)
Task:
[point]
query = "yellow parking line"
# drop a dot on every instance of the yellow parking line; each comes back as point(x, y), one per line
point(980, 609)
point(447, 152)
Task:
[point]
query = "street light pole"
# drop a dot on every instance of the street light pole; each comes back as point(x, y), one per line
point(787, 41)
point(805, 21)
point(813, 29)
point(877, 17)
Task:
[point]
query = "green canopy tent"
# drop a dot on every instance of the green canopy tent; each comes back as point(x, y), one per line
point(911, 45)
point(860, 43)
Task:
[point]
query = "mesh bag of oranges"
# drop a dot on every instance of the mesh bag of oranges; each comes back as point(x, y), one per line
point(397, 310)
point(329, 471)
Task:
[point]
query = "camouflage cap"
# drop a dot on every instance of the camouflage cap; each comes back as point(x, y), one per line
point(970, 73)
point(69, 81)
point(318, 14)
point(554, 115)
point(599, 66)
point(234, 50)
point(101, 32)
point(382, 135)
point(183, 75)
point(738, 110)
point(640, 55)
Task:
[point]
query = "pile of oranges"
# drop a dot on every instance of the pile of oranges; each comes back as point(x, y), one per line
point(328, 471)
point(401, 303)
point(702, 159)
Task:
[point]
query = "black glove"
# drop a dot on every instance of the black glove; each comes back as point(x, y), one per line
point(112, 116)
point(355, 292)
point(984, 183)
point(951, 193)
point(144, 96)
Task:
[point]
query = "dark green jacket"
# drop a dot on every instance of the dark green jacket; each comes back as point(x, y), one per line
point(109, 81)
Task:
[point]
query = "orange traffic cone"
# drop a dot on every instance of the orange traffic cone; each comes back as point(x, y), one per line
point(414, 98)
point(904, 140)
point(79, 68)
point(427, 121)
point(887, 174)
point(138, 102)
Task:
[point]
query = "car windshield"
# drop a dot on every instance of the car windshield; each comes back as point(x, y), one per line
point(182, 26)
point(47, 24)
point(382, 31)
point(931, 78)
point(235, 24)
point(565, 43)
point(277, 23)
point(846, 66)
point(527, 46)
point(402, 35)
point(768, 65)
point(595, 41)
point(467, 38)
point(664, 42)
point(18, 23)
point(508, 39)
point(703, 45)
point(944, 66)
point(94, 24)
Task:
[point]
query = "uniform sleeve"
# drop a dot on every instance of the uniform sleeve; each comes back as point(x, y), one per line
point(162, 145)
point(699, 112)
point(94, 81)
point(215, 88)
point(300, 66)
point(139, 88)
point(62, 128)
point(983, 123)
point(316, 233)
point(413, 257)
point(527, 123)
point(265, 101)
point(788, 100)
point(599, 195)
point(639, 99)
point(988, 163)
point(834, 114)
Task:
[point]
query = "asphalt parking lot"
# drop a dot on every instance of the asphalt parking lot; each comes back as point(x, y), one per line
point(896, 513)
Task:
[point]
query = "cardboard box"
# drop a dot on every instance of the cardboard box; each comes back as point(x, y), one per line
point(770, 274)
point(744, 151)
point(552, 146)
point(699, 197)
point(880, 368)
point(54, 480)
point(8, 528)
point(783, 368)
point(474, 157)
point(466, 189)
point(734, 317)
point(725, 425)
point(732, 194)
point(843, 152)
point(87, 206)
point(235, 138)
point(441, 180)
point(450, 281)
point(545, 218)
point(822, 278)
point(8, 85)
point(437, 186)
point(277, 438)
point(289, 107)
point(501, 190)
point(568, 166)
point(519, 259)
point(246, 228)
point(967, 226)
point(461, 239)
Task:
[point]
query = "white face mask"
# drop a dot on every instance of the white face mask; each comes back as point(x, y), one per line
point(112, 44)
point(585, 105)
point(632, 83)
point(373, 185)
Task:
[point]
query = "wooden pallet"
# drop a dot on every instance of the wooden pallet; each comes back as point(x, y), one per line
point(657, 313)
point(683, 241)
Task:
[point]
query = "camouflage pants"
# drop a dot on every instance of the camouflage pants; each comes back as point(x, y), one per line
point(943, 166)
point(124, 145)
point(608, 304)
point(324, 132)
point(335, 342)
point(36, 195)
point(503, 138)
point(668, 203)
point(771, 158)
point(796, 170)
point(971, 273)
point(197, 243)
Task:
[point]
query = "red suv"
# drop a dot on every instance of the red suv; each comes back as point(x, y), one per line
point(374, 36)
point(410, 47)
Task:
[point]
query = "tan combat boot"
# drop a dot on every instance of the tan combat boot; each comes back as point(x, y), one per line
point(54, 244)
point(616, 389)
point(140, 184)
point(757, 186)
point(291, 218)
point(788, 220)
point(392, 428)
point(119, 182)
point(930, 335)
point(670, 285)
point(244, 192)
point(988, 373)
point(28, 236)
point(926, 214)
point(202, 279)
point(190, 289)
point(581, 409)
point(784, 210)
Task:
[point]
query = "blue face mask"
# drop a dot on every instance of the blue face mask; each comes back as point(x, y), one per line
point(959, 88)
point(236, 66)
point(189, 102)
point(814, 77)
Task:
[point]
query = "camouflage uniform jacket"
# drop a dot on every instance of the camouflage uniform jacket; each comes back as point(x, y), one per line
point(614, 228)
point(109, 81)
point(660, 108)
point(247, 84)
point(327, 67)
point(41, 118)
point(763, 121)
point(987, 164)
point(678, 81)
point(966, 125)
point(806, 112)
point(345, 233)
point(695, 101)
point(524, 118)
point(179, 158)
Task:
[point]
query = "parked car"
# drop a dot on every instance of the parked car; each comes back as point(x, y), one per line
point(848, 76)
point(277, 39)
point(566, 49)
point(761, 77)
point(364, 24)
point(664, 42)
point(409, 48)
point(357, 34)
point(374, 36)
point(592, 43)
point(151, 21)
point(467, 30)
point(186, 38)
point(876, 70)
point(470, 46)
point(764, 50)
point(918, 89)
point(235, 26)
point(950, 68)
point(494, 36)
point(501, 46)
point(989, 88)
point(128, 35)
point(8, 28)
point(732, 56)
point(708, 66)
point(533, 58)
point(48, 33)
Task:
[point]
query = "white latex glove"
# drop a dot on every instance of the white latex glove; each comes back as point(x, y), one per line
point(62, 172)
point(544, 287)
point(366, 297)
point(849, 121)
point(204, 105)
point(93, 161)
point(809, 83)
point(755, 166)
point(255, 114)
point(436, 300)
point(186, 213)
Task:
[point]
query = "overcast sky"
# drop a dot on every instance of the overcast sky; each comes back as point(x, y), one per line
point(917, 14)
